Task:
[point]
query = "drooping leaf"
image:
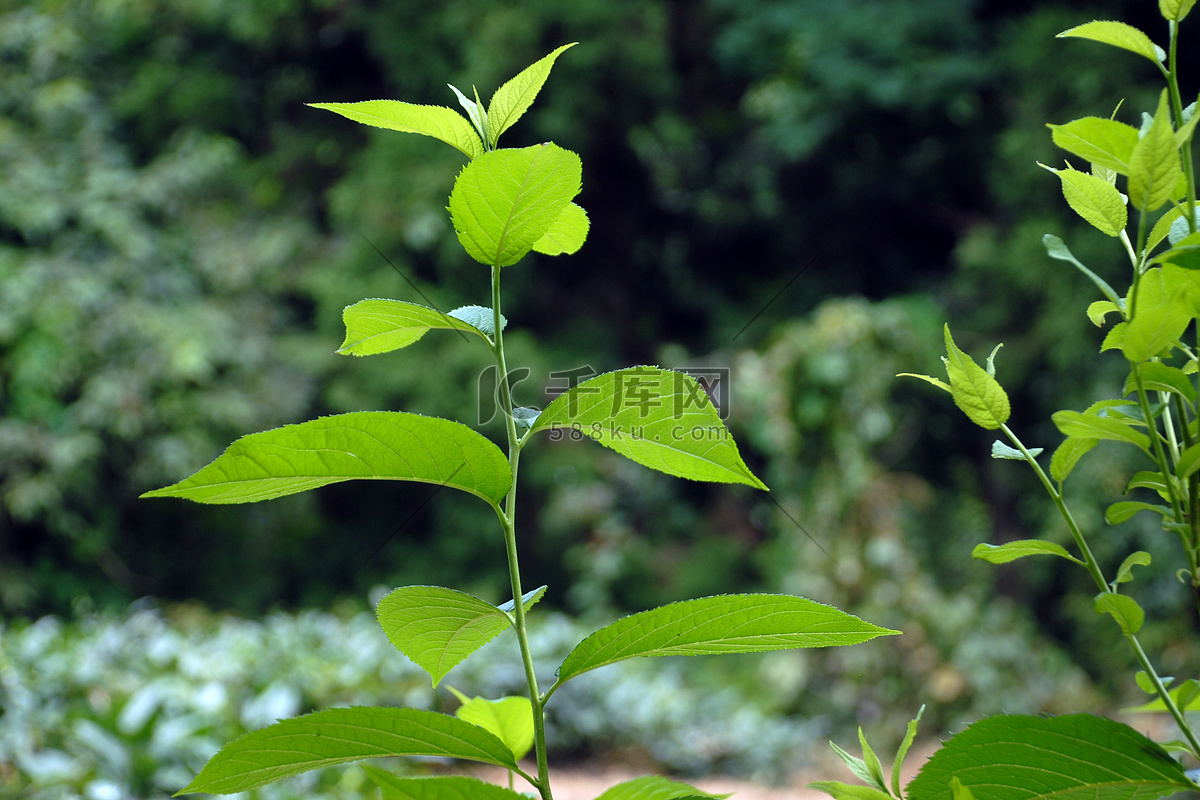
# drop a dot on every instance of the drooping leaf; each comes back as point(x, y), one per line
point(514, 98)
point(1098, 310)
point(1101, 141)
point(1125, 509)
point(1159, 377)
point(481, 317)
point(1094, 426)
point(1094, 199)
point(504, 201)
point(437, 628)
point(653, 787)
point(1011, 551)
point(1057, 249)
point(509, 719)
point(567, 233)
point(736, 623)
point(660, 418)
point(927, 378)
point(371, 445)
point(436, 121)
point(1118, 34)
point(1154, 167)
point(1004, 451)
point(849, 791)
point(1139, 558)
point(975, 392)
point(441, 787)
point(1067, 455)
point(380, 326)
point(339, 735)
point(1074, 757)
point(1175, 10)
point(1145, 479)
point(1125, 610)
point(1160, 315)
point(910, 735)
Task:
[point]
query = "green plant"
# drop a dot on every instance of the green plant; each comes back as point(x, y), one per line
point(1014, 756)
point(505, 204)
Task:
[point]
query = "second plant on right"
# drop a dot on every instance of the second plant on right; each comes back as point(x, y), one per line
point(1135, 183)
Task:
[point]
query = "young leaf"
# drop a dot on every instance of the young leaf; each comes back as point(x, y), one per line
point(380, 326)
point(1094, 426)
point(1159, 377)
point(514, 98)
point(1157, 704)
point(1125, 509)
point(339, 735)
point(1124, 610)
point(509, 719)
point(653, 787)
point(1011, 551)
point(1154, 167)
point(474, 112)
point(1118, 34)
point(1094, 199)
point(567, 233)
point(927, 378)
point(909, 736)
point(734, 623)
point(1001, 450)
point(1100, 309)
point(441, 787)
point(976, 393)
point(660, 418)
point(849, 791)
point(1160, 315)
point(1055, 248)
point(1162, 228)
point(1189, 462)
point(1026, 757)
point(437, 628)
point(1175, 10)
point(1067, 455)
point(1139, 558)
point(372, 445)
point(1145, 479)
point(1101, 141)
point(504, 201)
point(480, 317)
point(958, 791)
point(858, 766)
point(436, 121)
point(874, 768)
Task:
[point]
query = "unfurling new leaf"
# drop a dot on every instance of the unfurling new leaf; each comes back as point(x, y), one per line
point(975, 392)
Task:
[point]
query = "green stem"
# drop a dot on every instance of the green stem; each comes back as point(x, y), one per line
point(1177, 106)
point(1094, 569)
point(509, 520)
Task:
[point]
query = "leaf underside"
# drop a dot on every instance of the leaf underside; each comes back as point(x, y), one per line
point(379, 326)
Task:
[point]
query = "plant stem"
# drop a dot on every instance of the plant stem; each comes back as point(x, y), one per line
point(1094, 569)
point(1177, 107)
point(509, 521)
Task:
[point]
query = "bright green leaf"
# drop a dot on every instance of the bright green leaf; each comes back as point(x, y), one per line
point(437, 628)
point(976, 393)
point(1183, 134)
point(958, 791)
point(1159, 377)
point(909, 736)
point(370, 445)
point(1125, 509)
point(849, 791)
point(1075, 757)
point(1144, 683)
point(1139, 558)
point(1157, 705)
point(1189, 462)
point(735, 623)
point(874, 768)
point(928, 379)
point(1160, 315)
point(1100, 309)
point(858, 766)
point(1185, 253)
point(436, 121)
point(504, 201)
point(1124, 610)
point(1057, 249)
point(653, 787)
point(1101, 141)
point(442, 787)
point(1175, 10)
point(1067, 455)
point(514, 98)
point(1154, 167)
point(1094, 426)
point(380, 326)
point(660, 418)
point(567, 233)
point(1118, 34)
point(1115, 338)
point(1011, 551)
point(1162, 227)
point(1094, 199)
point(1144, 479)
point(339, 735)
point(509, 719)
point(474, 112)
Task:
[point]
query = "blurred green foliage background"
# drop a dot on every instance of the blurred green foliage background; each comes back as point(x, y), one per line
point(800, 190)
